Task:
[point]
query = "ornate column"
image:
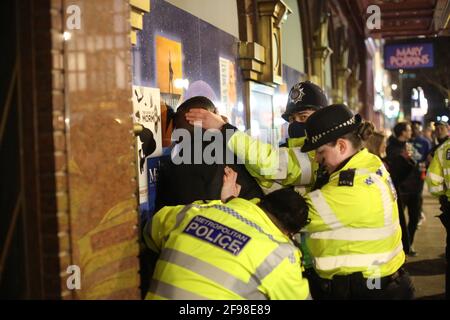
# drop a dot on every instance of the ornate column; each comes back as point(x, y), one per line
point(251, 60)
point(320, 56)
point(321, 53)
point(353, 101)
point(272, 14)
point(340, 94)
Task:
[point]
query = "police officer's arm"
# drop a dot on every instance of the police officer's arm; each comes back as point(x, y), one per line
point(159, 227)
point(288, 166)
point(435, 175)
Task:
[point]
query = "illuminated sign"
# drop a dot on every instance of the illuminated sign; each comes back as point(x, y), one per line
point(408, 56)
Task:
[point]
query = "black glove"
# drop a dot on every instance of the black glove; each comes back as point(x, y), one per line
point(445, 204)
point(445, 208)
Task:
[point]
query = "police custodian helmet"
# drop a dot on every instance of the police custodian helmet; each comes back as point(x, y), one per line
point(328, 124)
point(304, 96)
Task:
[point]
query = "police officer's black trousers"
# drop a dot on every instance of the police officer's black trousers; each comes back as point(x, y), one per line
point(447, 268)
point(445, 219)
point(356, 287)
point(414, 204)
point(405, 234)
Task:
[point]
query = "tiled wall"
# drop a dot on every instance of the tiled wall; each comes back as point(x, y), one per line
point(100, 146)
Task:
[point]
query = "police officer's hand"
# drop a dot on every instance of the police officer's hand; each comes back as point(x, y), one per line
point(205, 119)
point(229, 188)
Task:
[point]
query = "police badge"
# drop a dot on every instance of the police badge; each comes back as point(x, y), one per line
point(297, 93)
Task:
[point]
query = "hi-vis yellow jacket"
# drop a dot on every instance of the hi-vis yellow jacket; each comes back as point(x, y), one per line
point(273, 167)
point(222, 251)
point(354, 221)
point(438, 176)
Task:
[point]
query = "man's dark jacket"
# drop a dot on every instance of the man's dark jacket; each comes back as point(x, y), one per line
point(184, 183)
point(404, 172)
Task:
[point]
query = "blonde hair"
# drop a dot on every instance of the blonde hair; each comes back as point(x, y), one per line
point(373, 144)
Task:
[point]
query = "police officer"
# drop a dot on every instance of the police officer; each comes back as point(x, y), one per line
point(438, 180)
point(236, 250)
point(273, 167)
point(354, 236)
point(304, 99)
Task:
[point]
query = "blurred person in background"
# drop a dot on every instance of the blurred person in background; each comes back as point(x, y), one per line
point(428, 133)
point(405, 174)
point(376, 144)
point(422, 148)
point(421, 145)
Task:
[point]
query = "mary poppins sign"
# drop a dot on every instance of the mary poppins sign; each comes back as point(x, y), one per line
point(408, 56)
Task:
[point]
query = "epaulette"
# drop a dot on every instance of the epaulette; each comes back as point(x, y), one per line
point(346, 178)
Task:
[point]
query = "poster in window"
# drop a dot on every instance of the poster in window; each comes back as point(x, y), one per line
point(169, 70)
point(262, 113)
point(147, 113)
point(228, 95)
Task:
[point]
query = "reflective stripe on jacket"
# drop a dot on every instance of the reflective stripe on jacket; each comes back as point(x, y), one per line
point(222, 251)
point(275, 167)
point(356, 228)
point(438, 175)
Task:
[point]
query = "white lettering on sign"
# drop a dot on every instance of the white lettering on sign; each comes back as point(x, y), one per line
point(409, 57)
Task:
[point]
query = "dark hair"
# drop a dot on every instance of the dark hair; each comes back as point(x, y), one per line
point(194, 102)
point(359, 135)
point(288, 207)
point(399, 128)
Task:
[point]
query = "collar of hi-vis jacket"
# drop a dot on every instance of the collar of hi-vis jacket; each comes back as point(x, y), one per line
point(258, 216)
point(296, 142)
point(362, 159)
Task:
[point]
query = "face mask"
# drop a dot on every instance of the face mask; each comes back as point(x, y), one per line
point(297, 130)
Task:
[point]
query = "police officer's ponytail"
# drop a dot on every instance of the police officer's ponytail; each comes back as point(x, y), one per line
point(361, 134)
point(365, 130)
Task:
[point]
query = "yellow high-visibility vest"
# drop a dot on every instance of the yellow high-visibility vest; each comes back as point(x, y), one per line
point(222, 251)
point(354, 221)
point(438, 175)
point(273, 167)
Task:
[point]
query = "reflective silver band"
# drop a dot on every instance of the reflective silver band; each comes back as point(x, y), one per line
point(283, 251)
point(246, 290)
point(180, 217)
point(169, 291)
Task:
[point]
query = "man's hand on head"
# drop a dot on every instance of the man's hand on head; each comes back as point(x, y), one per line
point(205, 119)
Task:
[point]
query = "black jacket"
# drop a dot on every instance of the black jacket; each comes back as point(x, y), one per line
point(404, 171)
point(184, 183)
